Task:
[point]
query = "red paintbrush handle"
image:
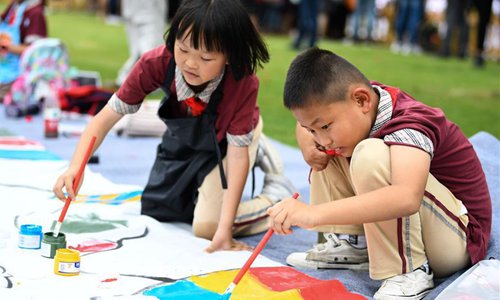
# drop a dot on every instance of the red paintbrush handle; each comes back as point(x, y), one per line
point(78, 177)
point(256, 251)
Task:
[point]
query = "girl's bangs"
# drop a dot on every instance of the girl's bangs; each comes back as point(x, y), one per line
point(204, 33)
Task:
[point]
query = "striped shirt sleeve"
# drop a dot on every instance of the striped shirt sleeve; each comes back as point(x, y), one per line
point(121, 107)
point(411, 137)
point(240, 140)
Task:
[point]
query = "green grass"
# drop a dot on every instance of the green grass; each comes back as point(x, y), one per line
point(470, 97)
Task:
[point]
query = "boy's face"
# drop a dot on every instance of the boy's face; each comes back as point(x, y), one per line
point(198, 66)
point(338, 126)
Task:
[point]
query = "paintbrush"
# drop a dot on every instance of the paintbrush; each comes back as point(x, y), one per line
point(250, 260)
point(76, 182)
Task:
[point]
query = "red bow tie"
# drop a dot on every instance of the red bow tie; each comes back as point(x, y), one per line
point(197, 106)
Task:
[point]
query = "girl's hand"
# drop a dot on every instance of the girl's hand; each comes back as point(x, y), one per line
point(223, 240)
point(66, 181)
point(291, 212)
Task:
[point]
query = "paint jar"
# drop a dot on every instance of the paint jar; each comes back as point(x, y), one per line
point(67, 262)
point(30, 236)
point(51, 243)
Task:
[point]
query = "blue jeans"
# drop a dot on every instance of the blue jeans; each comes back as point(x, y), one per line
point(308, 24)
point(366, 9)
point(408, 20)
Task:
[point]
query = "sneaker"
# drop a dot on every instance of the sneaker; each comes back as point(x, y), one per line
point(277, 187)
point(333, 254)
point(405, 49)
point(410, 286)
point(268, 159)
point(396, 47)
point(479, 61)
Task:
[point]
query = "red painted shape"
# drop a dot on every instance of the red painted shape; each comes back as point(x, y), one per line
point(94, 246)
point(18, 142)
point(109, 280)
point(285, 278)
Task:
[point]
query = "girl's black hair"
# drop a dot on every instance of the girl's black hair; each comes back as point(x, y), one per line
point(222, 26)
point(320, 75)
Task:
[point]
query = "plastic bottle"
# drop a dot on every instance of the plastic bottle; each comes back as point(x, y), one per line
point(51, 113)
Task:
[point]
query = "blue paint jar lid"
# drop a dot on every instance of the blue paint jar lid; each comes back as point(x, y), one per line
point(30, 229)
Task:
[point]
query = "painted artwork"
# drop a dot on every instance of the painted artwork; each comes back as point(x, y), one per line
point(121, 252)
point(259, 283)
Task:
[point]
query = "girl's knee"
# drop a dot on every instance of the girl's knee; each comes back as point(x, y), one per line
point(204, 230)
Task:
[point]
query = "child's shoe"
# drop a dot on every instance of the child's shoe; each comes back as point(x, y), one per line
point(268, 159)
point(333, 254)
point(410, 286)
point(277, 187)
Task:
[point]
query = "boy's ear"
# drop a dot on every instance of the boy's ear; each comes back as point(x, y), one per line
point(362, 98)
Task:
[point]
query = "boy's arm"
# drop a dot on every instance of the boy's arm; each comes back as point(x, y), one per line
point(99, 127)
point(409, 169)
point(236, 172)
point(316, 159)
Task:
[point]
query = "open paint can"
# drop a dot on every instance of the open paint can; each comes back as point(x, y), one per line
point(67, 262)
point(30, 236)
point(51, 243)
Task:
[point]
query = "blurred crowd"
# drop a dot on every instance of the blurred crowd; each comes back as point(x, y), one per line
point(459, 28)
point(462, 28)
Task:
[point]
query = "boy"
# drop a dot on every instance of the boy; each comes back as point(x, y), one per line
point(404, 187)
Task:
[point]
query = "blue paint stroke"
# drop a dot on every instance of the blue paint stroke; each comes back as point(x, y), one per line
point(182, 290)
point(28, 154)
point(105, 199)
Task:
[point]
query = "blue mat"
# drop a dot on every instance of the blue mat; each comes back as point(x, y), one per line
point(128, 160)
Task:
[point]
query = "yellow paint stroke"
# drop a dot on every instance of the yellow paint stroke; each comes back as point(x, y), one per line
point(248, 288)
point(105, 199)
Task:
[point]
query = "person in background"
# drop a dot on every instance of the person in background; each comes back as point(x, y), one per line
point(363, 20)
point(484, 8)
point(393, 181)
point(456, 20)
point(144, 23)
point(214, 130)
point(22, 23)
point(307, 24)
point(409, 17)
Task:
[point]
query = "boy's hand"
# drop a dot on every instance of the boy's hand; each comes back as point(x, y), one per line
point(290, 212)
point(66, 181)
point(223, 240)
point(315, 158)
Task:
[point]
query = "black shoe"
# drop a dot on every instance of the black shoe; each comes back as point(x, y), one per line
point(479, 61)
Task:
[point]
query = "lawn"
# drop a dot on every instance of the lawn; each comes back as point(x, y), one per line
point(470, 97)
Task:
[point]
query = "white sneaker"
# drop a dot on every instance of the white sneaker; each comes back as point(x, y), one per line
point(268, 159)
point(277, 187)
point(334, 254)
point(405, 49)
point(395, 47)
point(410, 286)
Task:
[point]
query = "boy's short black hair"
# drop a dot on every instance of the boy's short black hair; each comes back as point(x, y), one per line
point(222, 26)
point(320, 74)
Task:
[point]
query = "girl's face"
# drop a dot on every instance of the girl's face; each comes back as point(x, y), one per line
point(198, 66)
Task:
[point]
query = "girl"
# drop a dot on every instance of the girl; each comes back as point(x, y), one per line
point(206, 70)
point(22, 23)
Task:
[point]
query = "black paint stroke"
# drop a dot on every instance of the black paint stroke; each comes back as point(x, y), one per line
point(6, 276)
